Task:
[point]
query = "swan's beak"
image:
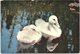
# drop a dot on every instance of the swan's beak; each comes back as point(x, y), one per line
point(55, 24)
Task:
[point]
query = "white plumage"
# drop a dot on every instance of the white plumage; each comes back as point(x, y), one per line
point(50, 30)
point(29, 34)
point(32, 34)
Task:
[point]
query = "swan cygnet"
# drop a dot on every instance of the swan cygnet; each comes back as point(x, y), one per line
point(29, 36)
point(50, 30)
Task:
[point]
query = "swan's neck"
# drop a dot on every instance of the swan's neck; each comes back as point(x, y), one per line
point(55, 27)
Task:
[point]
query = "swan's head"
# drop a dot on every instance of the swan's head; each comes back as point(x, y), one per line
point(53, 20)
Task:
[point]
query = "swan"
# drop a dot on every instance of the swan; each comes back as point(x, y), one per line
point(29, 35)
point(50, 30)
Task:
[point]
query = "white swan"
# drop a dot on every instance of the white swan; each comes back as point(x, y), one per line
point(30, 34)
point(50, 30)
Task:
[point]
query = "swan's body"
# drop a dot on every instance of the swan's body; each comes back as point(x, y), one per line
point(29, 34)
point(50, 30)
point(47, 29)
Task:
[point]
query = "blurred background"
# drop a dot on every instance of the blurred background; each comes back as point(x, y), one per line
point(17, 14)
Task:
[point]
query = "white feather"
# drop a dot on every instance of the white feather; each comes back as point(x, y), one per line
point(49, 29)
point(28, 35)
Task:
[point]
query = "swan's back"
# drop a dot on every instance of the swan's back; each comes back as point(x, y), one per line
point(28, 35)
point(41, 24)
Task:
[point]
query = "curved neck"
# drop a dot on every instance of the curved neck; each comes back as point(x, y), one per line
point(56, 27)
